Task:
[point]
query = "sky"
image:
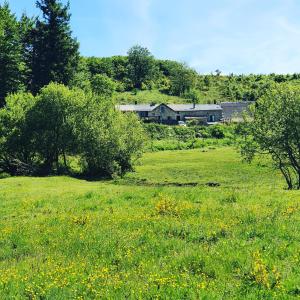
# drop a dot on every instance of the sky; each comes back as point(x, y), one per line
point(234, 36)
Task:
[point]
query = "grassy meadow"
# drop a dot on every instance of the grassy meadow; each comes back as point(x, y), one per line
point(190, 224)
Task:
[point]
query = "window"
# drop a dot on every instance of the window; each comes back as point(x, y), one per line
point(143, 114)
point(211, 118)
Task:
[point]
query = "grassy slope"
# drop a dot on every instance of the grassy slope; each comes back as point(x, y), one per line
point(211, 96)
point(147, 97)
point(144, 236)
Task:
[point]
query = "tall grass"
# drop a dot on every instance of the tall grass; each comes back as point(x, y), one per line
point(162, 232)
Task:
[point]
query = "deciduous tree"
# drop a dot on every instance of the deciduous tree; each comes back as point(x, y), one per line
point(141, 66)
point(275, 130)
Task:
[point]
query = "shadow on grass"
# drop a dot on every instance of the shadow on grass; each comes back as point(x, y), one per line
point(144, 182)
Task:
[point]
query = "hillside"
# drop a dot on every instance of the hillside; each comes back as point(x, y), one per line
point(143, 79)
point(155, 96)
point(148, 96)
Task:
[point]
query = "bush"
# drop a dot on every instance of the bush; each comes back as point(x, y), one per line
point(109, 141)
point(4, 175)
point(216, 131)
point(40, 135)
point(159, 132)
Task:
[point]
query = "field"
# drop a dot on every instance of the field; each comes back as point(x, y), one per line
point(192, 224)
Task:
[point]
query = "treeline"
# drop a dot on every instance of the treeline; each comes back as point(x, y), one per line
point(139, 70)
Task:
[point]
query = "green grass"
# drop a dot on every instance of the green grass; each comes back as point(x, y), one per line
point(159, 233)
point(148, 96)
point(211, 96)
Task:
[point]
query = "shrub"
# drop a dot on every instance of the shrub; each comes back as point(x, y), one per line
point(42, 134)
point(4, 175)
point(109, 140)
point(216, 131)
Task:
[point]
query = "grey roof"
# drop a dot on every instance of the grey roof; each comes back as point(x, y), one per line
point(137, 107)
point(175, 107)
point(190, 107)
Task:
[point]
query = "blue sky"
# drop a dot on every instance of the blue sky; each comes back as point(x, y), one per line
point(238, 36)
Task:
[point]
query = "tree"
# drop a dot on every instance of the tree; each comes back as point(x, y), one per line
point(51, 123)
point(38, 131)
point(41, 135)
point(141, 66)
point(11, 62)
point(109, 140)
point(103, 85)
point(193, 95)
point(275, 130)
point(55, 54)
point(27, 26)
point(182, 79)
point(218, 72)
point(15, 142)
point(82, 78)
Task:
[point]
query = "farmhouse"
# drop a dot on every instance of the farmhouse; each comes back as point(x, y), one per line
point(172, 113)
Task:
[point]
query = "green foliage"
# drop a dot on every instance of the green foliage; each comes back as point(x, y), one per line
point(109, 141)
point(82, 78)
point(163, 137)
point(42, 134)
point(216, 131)
point(54, 55)
point(159, 131)
point(14, 137)
point(103, 85)
point(153, 96)
point(275, 130)
point(38, 131)
point(36, 51)
point(115, 67)
point(141, 66)
point(182, 80)
point(193, 95)
point(12, 66)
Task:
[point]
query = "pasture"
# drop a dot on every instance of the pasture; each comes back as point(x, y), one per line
point(190, 224)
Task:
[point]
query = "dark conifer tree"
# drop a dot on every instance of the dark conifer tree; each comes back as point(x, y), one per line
point(55, 55)
point(11, 61)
